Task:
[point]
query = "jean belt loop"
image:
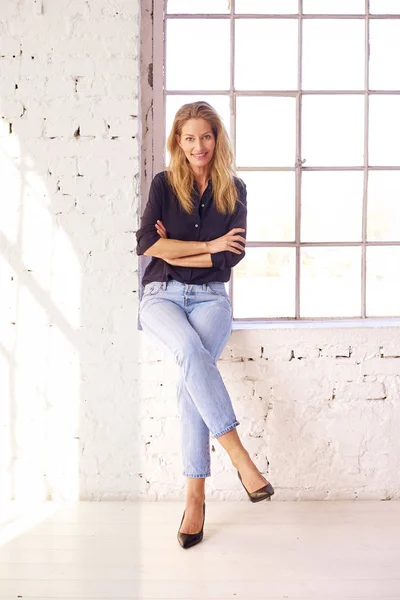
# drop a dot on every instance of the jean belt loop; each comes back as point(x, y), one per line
point(164, 286)
point(204, 287)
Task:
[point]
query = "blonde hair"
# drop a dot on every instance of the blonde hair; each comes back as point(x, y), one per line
point(180, 175)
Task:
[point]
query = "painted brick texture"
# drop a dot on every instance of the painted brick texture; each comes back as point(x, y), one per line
point(88, 402)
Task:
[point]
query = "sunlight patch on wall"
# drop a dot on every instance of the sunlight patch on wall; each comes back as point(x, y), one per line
point(40, 304)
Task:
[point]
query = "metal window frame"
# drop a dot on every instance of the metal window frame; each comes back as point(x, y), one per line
point(154, 128)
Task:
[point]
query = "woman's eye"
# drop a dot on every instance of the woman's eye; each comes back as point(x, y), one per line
point(207, 137)
point(189, 139)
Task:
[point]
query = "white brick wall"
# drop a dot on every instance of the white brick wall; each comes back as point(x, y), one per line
point(88, 403)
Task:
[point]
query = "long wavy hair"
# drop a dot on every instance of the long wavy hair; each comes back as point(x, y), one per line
point(180, 175)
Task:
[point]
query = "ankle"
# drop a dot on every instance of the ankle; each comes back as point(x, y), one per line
point(196, 498)
point(240, 458)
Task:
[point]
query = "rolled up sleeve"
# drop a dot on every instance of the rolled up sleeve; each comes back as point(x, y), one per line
point(226, 260)
point(147, 235)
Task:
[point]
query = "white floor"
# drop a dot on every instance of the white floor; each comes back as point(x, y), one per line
point(269, 551)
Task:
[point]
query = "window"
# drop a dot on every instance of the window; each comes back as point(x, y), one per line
point(310, 94)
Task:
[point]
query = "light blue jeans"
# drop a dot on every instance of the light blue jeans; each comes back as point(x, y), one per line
point(194, 322)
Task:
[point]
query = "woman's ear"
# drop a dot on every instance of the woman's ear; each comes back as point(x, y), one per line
point(178, 139)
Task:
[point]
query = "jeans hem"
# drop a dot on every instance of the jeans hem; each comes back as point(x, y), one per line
point(235, 424)
point(198, 476)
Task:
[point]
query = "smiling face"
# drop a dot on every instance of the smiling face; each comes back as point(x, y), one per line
point(197, 140)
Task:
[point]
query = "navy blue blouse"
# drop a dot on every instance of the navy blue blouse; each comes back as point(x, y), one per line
point(203, 225)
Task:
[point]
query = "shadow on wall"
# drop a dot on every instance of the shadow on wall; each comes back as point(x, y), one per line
point(68, 289)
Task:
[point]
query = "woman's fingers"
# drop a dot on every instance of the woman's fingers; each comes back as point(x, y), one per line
point(162, 232)
point(239, 238)
point(235, 247)
point(236, 238)
point(161, 226)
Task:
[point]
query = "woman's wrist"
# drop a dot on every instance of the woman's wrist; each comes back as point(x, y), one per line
point(207, 248)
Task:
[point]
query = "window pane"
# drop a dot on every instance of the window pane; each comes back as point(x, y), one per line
point(388, 7)
point(331, 206)
point(265, 132)
point(383, 222)
point(186, 38)
point(384, 72)
point(198, 6)
point(264, 283)
point(334, 7)
point(333, 131)
point(333, 54)
point(383, 281)
point(276, 42)
point(266, 7)
point(330, 282)
point(270, 206)
point(220, 103)
point(384, 131)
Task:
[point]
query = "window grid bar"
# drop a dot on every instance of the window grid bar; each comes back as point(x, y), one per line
point(298, 163)
point(241, 168)
point(375, 168)
point(232, 103)
point(365, 187)
point(283, 93)
point(294, 244)
point(227, 16)
point(383, 168)
point(304, 320)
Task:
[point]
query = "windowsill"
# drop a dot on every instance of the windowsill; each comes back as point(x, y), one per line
point(316, 324)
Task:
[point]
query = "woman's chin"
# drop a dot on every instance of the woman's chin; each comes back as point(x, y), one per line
point(200, 163)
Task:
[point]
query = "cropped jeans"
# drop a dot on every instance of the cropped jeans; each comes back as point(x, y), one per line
point(194, 322)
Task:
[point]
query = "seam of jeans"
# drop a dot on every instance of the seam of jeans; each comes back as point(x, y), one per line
point(197, 476)
point(235, 424)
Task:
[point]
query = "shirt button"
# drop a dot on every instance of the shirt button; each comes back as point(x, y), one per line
point(196, 225)
point(202, 205)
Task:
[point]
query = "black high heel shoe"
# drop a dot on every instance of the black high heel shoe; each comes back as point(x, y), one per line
point(187, 540)
point(263, 493)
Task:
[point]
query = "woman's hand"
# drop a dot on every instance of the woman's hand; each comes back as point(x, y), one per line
point(231, 241)
point(162, 232)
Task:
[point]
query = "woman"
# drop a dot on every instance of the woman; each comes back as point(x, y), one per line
point(194, 226)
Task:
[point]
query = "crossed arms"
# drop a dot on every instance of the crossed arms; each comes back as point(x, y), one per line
point(194, 254)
